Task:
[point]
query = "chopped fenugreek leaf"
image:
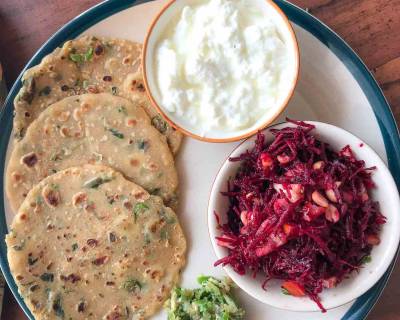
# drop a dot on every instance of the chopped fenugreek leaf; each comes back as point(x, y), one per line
point(142, 144)
point(147, 238)
point(114, 90)
point(132, 285)
point(39, 200)
point(116, 133)
point(45, 91)
point(32, 261)
point(139, 208)
point(54, 186)
point(164, 235)
point(96, 182)
point(166, 218)
point(57, 306)
point(74, 246)
point(122, 109)
point(47, 277)
point(159, 124)
point(285, 291)
point(82, 57)
point(155, 191)
point(112, 237)
point(19, 247)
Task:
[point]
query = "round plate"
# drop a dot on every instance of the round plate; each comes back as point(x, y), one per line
point(334, 87)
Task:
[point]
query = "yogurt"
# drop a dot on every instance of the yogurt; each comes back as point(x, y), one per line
point(221, 65)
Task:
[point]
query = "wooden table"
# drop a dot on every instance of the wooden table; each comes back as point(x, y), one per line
point(371, 27)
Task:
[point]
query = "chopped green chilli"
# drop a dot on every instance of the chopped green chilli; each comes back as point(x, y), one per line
point(211, 301)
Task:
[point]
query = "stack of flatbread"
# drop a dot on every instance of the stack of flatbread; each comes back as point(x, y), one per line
point(93, 181)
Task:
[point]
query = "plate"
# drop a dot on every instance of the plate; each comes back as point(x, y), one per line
point(334, 87)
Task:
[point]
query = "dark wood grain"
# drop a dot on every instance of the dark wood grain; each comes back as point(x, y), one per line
point(371, 27)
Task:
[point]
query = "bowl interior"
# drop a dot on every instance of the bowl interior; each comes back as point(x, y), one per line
point(171, 11)
point(385, 192)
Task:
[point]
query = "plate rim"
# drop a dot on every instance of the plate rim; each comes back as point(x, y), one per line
point(384, 116)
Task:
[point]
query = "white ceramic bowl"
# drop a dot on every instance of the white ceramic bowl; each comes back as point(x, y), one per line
point(154, 35)
point(382, 255)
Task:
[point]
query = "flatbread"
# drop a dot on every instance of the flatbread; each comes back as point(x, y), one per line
point(89, 244)
point(92, 128)
point(85, 65)
point(133, 89)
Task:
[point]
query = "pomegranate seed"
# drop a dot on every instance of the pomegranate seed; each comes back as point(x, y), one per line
point(283, 159)
point(266, 161)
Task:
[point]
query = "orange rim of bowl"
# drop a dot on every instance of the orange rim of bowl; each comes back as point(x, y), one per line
point(275, 115)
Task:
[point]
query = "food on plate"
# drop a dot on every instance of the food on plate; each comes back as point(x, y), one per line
point(97, 129)
point(222, 65)
point(133, 89)
point(87, 243)
point(300, 212)
point(212, 300)
point(84, 65)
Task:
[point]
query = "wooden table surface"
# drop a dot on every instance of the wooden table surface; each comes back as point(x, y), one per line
point(371, 27)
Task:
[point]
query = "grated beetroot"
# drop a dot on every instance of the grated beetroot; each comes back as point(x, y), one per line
point(299, 212)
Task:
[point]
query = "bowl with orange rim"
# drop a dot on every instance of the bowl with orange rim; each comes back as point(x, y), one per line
point(220, 70)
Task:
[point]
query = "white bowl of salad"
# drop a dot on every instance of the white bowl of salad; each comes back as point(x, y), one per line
point(304, 216)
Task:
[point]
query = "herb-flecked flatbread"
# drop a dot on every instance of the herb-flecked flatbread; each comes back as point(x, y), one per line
point(85, 65)
point(133, 89)
point(89, 244)
point(97, 129)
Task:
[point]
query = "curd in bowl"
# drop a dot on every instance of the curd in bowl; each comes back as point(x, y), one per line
point(220, 69)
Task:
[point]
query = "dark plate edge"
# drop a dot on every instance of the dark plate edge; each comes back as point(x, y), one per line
point(337, 45)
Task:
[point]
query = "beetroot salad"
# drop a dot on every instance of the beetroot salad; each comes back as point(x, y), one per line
point(299, 212)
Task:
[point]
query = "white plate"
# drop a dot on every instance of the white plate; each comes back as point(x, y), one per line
point(330, 90)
